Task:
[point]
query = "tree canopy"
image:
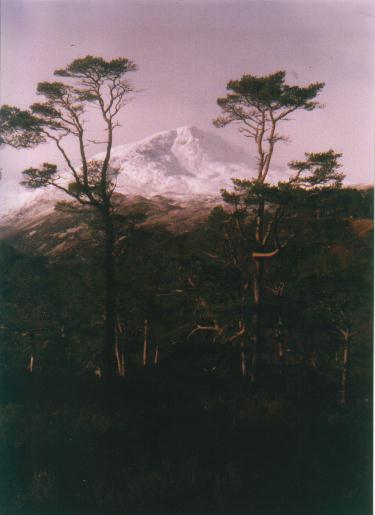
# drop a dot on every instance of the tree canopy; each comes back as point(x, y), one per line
point(61, 114)
point(257, 104)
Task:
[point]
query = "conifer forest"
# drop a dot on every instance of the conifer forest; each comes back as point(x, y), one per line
point(210, 355)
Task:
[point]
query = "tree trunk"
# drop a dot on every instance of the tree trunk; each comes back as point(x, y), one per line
point(243, 359)
point(118, 356)
point(145, 343)
point(110, 298)
point(257, 293)
point(119, 349)
point(345, 370)
point(122, 363)
point(256, 316)
point(30, 368)
point(156, 357)
point(121, 330)
point(281, 352)
point(31, 365)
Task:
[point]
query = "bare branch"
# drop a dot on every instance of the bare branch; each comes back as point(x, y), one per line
point(267, 255)
point(234, 337)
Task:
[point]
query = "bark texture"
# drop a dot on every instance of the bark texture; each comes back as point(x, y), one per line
point(110, 298)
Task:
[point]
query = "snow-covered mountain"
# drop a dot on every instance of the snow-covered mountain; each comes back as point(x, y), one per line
point(179, 164)
point(175, 176)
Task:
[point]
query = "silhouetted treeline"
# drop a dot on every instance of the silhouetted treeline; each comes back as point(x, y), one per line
point(183, 429)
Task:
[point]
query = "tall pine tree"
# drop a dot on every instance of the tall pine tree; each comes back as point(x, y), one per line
point(89, 81)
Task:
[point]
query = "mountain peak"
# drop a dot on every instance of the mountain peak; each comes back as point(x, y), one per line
point(184, 162)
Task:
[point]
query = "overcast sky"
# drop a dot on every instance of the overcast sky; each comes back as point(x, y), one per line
point(187, 50)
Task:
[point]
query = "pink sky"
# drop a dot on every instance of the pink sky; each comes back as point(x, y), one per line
point(186, 52)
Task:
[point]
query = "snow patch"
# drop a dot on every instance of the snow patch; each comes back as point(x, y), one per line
point(181, 163)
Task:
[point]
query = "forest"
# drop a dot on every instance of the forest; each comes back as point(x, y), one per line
point(221, 369)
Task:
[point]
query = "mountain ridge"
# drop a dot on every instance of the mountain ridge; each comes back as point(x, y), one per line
point(173, 176)
point(177, 163)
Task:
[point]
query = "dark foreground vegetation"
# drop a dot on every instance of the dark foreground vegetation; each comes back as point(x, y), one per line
point(171, 441)
point(183, 427)
point(223, 370)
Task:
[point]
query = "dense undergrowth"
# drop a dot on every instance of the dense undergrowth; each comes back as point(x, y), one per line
point(168, 441)
point(189, 435)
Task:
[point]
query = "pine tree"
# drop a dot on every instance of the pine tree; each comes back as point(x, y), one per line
point(90, 81)
point(259, 105)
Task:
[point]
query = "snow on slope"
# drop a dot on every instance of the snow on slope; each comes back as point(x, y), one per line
point(179, 163)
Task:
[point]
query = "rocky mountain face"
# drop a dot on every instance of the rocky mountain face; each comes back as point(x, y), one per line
point(56, 232)
point(174, 177)
point(179, 163)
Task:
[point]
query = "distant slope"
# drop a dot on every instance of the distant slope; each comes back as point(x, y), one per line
point(178, 163)
point(174, 177)
point(56, 232)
